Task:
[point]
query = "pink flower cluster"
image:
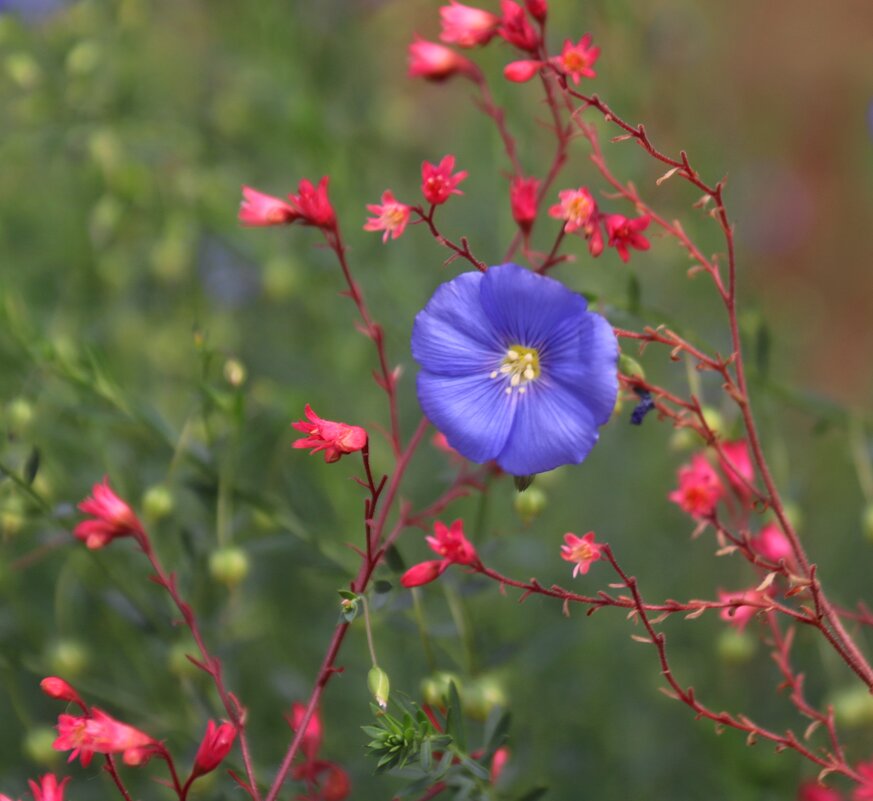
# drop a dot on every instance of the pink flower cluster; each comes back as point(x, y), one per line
point(310, 206)
point(454, 548)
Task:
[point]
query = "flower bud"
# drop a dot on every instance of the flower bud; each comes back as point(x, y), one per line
point(736, 647)
point(498, 763)
point(537, 9)
point(69, 657)
point(37, 745)
point(229, 566)
point(215, 746)
point(481, 696)
point(57, 688)
point(522, 71)
point(435, 688)
point(157, 502)
point(528, 505)
point(19, 414)
point(853, 706)
point(423, 573)
point(714, 420)
point(630, 367)
point(380, 687)
point(234, 373)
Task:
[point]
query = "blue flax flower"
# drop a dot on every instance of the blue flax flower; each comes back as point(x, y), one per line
point(515, 368)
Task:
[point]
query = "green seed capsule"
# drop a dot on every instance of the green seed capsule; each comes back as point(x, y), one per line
point(380, 686)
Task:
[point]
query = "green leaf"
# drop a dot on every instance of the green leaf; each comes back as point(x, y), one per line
point(31, 466)
point(496, 730)
point(454, 718)
point(533, 794)
point(394, 560)
point(425, 756)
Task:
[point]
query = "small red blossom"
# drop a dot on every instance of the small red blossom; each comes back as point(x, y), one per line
point(335, 439)
point(437, 182)
point(436, 62)
point(466, 26)
point(523, 200)
point(737, 465)
point(581, 550)
point(335, 786)
point(60, 690)
point(739, 615)
point(498, 763)
point(312, 204)
point(258, 209)
point(100, 733)
point(215, 746)
point(391, 216)
point(538, 9)
point(311, 741)
point(864, 791)
point(577, 60)
point(522, 71)
point(451, 544)
point(625, 232)
point(48, 788)
point(516, 29)
point(424, 573)
point(772, 543)
point(576, 206)
point(113, 518)
point(813, 791)
point(700, 488)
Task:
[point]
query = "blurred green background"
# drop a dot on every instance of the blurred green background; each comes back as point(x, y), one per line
point(131, 297)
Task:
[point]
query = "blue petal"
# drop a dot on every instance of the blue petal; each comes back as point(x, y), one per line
point(552, 427)
point(528, 309)
point(451, 335)
point(473, 412)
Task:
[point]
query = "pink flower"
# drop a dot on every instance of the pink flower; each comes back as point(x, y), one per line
point(100, 733)
point(424, 573)
point(57, 688)
point(772, 544)
point(739, 615)
point(864, 791)
point(576, 206)
point(112, 518)
point(435, 62)
point(311, 741)
point(737, 465)
point(624, 232)
point(260, 209)
point(516, 29)
point(335, 786)
point(521, 71)
point(48, 788)
point(438, 183)
point(537, 9)
point(215, 746)
point(498, 763)
point(391, 218)
point(523, 200)
point(700, 488)
point(312, 204)
point(813, 791)
point(335, 439)
point(578, 60)
point(581, 550)
point(466, 26)
point(451, 544)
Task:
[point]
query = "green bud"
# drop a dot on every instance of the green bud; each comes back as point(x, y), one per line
point(157, 502)
point(684, 439)
point(630, 367)
point(83, 58)
point(528, 505)
point(867, 521)
point(19, 414)
point(714, 420)
point(23, 69)
point(377, 681)
point(177, 660)
point(38, 745)
point(229, 566)
point(68, 658)
point(736, 647)
point(13, 515)
point(853, 706)
point(481, 696)
point(234, 372)
point(435, 688)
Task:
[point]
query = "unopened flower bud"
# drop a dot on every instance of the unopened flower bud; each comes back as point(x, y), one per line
point(528, 505)
point(853, 706)
point(57, 688)
point(215, 746)
point(481, 696)
point(234, 372)
point(435, 688)
point(380, 687)
point(423, 573)
point(630, 367)
point(522, 71)
point(19, 413)
point(69, 657)
point(157, 502)
point(229, 566)
point(736, 647)
point(537, 9)
point(714, 420)
point(38, 745)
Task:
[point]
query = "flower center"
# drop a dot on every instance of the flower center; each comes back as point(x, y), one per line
point(520, 365)
point(582, 552)
point(574, 61)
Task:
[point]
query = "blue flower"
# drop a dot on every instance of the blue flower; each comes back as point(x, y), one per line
point(515, 368)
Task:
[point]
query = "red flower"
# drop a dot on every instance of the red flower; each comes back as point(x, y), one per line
point(576, 206)
point(700, 488)
point(581, 550)
point(537, 9)
point(864, 791)
point(772, 544)
point(521, 71)
point(100, 733)
point(48, 788)
point(577, 61)
point(312, 204)
point(215, 746)
point(438, 183)
point(335, 439)
point(739, 615)
point(260, 209)
point(311, 741)
point(516, 29)
point(112, 518)
point(624, 232)
point(449, 543)
point(466, 26)
point(737, 465)
point(435, 62)
point(813, 791)
point(523, 200)
point(335, 786)
point(391, 218)
point(424, 573)
point(57, 688)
